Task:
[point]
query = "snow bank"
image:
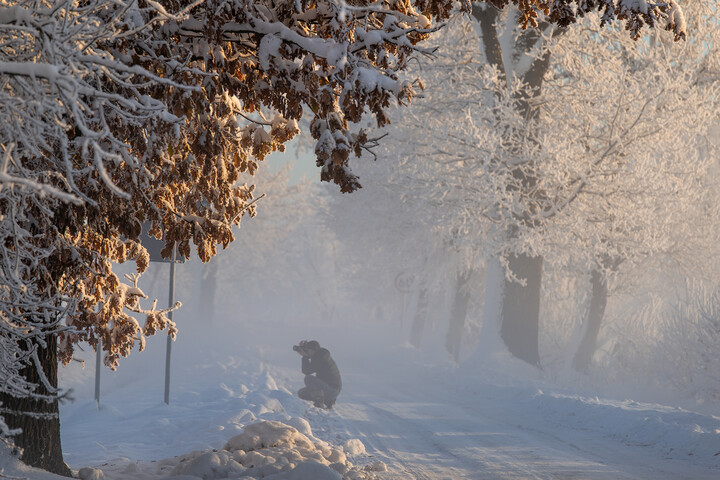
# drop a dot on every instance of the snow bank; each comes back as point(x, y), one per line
point(12, 468)
point(673, 432)
point(665, 433)
point(269, 450)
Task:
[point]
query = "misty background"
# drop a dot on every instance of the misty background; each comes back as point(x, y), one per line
point(308, 268)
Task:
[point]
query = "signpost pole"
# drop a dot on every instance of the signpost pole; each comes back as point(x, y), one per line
point(171, 301)
point(98, 364)
point(154, 247)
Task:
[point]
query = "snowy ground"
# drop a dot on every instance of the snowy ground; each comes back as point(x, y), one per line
point(398, 417)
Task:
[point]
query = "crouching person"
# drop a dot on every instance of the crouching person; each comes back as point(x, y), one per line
point(322, 377)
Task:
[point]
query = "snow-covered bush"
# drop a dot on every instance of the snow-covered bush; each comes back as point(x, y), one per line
point(669, 345)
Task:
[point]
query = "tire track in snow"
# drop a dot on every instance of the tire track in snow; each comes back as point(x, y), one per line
point(431, 441)
point(400, 444)
point(432, 438)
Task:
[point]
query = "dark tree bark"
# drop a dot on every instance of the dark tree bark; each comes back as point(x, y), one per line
point(38, 419)
point(421, 316)
point(487, 15)
point(521, 309)
point(521, 304)
point(583, 357)
point(458, 314)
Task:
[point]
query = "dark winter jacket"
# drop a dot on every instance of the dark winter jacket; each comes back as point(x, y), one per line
point(324, 366)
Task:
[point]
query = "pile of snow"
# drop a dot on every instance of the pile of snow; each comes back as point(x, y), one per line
point(12, 468)
point(672, 431)
point(268, 450)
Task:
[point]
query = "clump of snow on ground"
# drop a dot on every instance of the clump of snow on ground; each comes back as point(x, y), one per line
point(89, 473)
point(12, 468)
point(354, 447)
point(268, 434)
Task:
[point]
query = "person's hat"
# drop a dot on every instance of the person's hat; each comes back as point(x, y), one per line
point(312, 344)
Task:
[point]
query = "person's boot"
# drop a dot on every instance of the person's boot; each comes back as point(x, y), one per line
point(319, 399)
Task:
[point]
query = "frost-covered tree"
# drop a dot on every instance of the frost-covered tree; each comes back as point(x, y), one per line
point(572, 172)
point(623, 173)
point(646, 187)
point(62, 210)
point(115, 113)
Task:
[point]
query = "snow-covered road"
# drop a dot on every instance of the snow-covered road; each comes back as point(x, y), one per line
point(438, 433)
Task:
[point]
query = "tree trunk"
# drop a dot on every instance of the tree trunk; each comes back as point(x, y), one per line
point(490, 340)
point(420, 319)
point(598, 299)
point(486, 15)
point(521, 304)
point(521, 309)
point(458, 314)
point(38, 419)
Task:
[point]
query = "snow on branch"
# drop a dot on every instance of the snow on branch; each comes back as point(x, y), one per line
point(634, 13)
point(71, 99)
point(9, 181)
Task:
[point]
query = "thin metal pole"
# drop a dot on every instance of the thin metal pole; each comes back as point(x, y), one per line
point(98, 364)
point(168, 351)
